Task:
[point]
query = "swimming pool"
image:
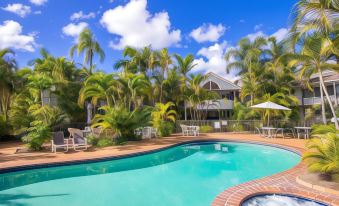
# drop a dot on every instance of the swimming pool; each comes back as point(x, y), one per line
point(189, 174)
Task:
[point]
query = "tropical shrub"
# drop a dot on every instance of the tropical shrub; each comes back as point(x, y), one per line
point(206, 129)
point(322, 155)
point(37, 135)
point(165, 129)
point(105, 142)
point(163, 118)
point(122, 121)
point(40, 130)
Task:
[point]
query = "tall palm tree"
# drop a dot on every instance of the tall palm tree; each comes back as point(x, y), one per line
point(314, 58)
point(98, 86)
point(319, 16)
point(7, 71)
point(165, 61)
point(88, 45)
point(184, 66)
point(246, 59)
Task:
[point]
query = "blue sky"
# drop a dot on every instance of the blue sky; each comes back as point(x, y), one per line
point(204, 28)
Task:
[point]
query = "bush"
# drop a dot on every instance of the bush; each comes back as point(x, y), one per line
point(37, 136)
point(105, 142)
point(322, 155)
point(206, 129)
point(92, 140)
point(165, 129)
point(235, 128)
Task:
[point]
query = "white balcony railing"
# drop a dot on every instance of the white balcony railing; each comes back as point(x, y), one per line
point(316, 100)
point(220, 104)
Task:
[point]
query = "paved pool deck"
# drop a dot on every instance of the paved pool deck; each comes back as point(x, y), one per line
point(283, 183)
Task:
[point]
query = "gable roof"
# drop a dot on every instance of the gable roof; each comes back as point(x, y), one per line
point(223, 83)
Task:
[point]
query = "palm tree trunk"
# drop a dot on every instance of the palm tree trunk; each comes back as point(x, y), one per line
point(329, 101)
point(323, 112)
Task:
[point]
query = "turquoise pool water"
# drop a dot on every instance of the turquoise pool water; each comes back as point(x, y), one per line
point(191, 174)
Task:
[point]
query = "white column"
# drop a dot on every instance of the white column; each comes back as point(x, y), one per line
point(335, 95)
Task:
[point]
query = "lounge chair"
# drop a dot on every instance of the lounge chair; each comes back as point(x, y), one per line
point(96, 132)
point(259, 132)
point(59, 141)
point(79, 142)
point(184, 129)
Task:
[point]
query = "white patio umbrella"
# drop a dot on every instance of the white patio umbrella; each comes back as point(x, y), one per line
point(270, 106)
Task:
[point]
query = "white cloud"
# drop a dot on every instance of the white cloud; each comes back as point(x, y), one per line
point(253, 36)
point(19, 9)
point(11, 37)
point(137, 27)
point(208, 32)
point(74, 29)
point(258, 26)
point(80, 15)
point(212, 60)
point(38, 2)
point(280, 34)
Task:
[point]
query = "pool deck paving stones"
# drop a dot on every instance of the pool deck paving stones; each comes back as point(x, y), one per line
point(282, 183)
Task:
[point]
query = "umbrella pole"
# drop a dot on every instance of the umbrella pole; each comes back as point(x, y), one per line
point(268, 119)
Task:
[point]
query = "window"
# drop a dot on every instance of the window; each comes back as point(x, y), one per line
point(211, 86)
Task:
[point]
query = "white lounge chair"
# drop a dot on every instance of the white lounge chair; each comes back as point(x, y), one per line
point(79, 142)
point(59, 141)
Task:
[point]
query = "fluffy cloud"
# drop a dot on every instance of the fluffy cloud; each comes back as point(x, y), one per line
point(280, 34)
point(138, 28)
point(74, 29)
point(255, 35)
point(212, 60)
point(11, 37)
point(38, 2)
point(80, 15)
point(19, 9)
point(208, 32)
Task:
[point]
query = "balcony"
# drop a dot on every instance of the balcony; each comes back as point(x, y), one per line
point(316, 100)
point(220, 104)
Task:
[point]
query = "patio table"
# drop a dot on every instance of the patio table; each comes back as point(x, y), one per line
point(269, 130)
point(305, 129)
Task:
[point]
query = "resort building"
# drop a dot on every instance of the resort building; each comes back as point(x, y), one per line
point(309, 98)
point(221, 108)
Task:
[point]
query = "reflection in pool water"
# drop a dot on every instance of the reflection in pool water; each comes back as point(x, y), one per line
point(190, 174)
point(280, 200)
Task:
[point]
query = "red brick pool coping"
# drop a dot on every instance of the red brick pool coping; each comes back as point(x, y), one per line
point(281, 183)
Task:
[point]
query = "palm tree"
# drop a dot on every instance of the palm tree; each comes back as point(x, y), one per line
point(98, 86)
point(133, 89)
point(184, 66)
point(162, 112)
point(246, 60)
point(121, 120)
point(164, 61)
point(314, 58)
point(323, 152)
point(7, 71)
point(319, 16)
point(88, 45)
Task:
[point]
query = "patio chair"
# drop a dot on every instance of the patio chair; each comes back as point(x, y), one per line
point(196, 131)
point(96, 132)
point(146, 133)
point(154, 132)
point(259, 132)
point(184, 129)
point(79, 142)
point(71, 132)
point(59, 141)
point(138, 131)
